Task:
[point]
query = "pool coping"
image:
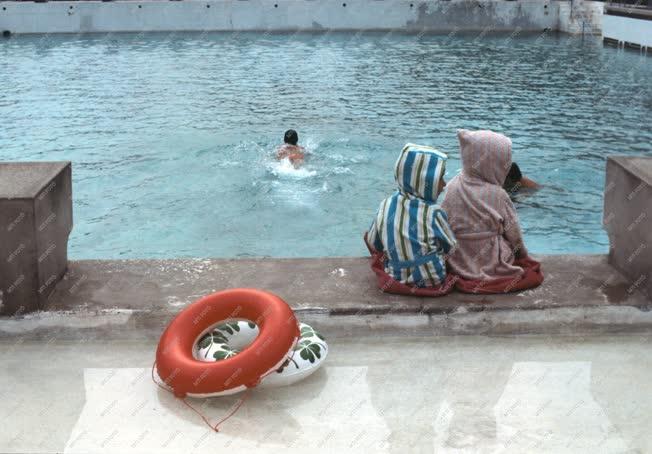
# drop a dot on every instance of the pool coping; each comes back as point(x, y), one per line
point(337, 286)
point(135, 299)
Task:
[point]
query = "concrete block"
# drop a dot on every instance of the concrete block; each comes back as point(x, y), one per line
point(35, 222)
point(628, 218)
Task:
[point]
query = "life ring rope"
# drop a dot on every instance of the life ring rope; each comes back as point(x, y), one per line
point(279, 336)
point(215, 427)
point(241, 401)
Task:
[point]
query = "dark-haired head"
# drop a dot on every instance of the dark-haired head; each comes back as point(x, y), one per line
point(513, 178)
point(291, 137)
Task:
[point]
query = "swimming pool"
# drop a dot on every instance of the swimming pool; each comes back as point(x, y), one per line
point(171, 135)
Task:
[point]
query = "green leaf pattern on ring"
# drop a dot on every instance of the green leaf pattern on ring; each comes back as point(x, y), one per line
point(230, 328)
point(310, 346)
point(223, 352)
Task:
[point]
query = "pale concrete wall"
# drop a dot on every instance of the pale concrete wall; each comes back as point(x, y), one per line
point(581, 16)
point(628, 218)
point(35, 222)
point(627, 30)
point(277, 15)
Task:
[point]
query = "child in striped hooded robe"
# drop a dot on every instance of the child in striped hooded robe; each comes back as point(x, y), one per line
point(410, 228)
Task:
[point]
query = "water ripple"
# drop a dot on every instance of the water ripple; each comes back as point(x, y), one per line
point(171, 136)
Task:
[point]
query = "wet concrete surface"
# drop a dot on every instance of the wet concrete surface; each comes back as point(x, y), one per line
point(136, 299)
point(399, 376)
point(338, 286)
point(381, 394)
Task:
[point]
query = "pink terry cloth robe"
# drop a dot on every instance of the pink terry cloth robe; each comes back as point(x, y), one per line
point(480, 212)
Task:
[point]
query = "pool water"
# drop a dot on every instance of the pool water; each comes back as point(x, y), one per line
point(171, 136)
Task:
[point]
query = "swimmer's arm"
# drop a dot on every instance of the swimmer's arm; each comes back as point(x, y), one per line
point(529, 184)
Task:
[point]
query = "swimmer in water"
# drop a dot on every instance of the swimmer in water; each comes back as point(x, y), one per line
point(515, 181)
point(290, 149)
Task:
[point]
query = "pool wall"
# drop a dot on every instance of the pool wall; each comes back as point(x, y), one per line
point(304, 15)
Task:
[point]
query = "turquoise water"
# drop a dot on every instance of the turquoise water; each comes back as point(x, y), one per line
point(170, 135)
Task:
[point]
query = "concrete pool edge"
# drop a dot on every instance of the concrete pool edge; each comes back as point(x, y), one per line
point(135, 299)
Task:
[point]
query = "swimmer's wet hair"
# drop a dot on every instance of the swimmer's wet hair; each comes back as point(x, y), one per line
point(513, 178)
point(291, 137)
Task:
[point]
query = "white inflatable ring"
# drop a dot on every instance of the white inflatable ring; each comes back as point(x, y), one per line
point(227, 339)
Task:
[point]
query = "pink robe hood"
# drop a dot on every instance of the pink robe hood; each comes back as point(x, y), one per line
point(480, 212)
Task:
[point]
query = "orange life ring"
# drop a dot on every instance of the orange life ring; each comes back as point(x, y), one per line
point(278, 333)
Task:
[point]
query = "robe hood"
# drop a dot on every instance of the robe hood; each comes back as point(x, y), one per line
point(418, 170)
point(486, 155)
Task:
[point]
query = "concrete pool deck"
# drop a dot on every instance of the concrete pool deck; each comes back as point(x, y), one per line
point(135, 299)
point(469, 394)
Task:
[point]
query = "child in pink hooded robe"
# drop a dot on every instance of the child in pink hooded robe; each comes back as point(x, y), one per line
point(491, 256)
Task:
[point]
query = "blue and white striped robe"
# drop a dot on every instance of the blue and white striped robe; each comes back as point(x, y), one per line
point(410, 227)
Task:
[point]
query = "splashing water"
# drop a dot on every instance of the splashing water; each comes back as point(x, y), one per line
point(285, 169)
